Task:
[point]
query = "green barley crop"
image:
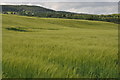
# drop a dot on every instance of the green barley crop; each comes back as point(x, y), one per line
point(59, 48)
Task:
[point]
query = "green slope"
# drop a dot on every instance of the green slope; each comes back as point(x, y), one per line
point(58, 48)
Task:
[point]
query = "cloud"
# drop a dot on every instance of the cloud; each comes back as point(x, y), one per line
point(60, 1)
point(84, 7)
point(96, 10)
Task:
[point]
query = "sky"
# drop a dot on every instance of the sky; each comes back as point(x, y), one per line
point(77, 6)
point(59, 0)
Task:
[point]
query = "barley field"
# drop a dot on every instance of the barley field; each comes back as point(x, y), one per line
point(58, 48)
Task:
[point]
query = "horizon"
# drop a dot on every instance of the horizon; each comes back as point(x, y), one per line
point(97, 8)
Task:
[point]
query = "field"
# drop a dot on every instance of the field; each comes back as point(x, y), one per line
point(59, 48)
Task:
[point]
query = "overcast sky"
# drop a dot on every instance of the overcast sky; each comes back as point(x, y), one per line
point(59, 0)
point(77, 6)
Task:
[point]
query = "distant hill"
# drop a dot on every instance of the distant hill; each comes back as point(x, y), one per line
point(31, 9)
point(19, 8)
point(38, 11)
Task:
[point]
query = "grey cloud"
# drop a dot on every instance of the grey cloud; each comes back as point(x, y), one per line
point(84, 7)
point(59, 0)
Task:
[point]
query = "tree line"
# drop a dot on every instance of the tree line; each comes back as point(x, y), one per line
point(43, 12)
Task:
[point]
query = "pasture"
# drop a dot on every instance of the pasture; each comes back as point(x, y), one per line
point(58, 48)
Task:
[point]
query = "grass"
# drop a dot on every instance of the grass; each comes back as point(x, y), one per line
point(59, 48)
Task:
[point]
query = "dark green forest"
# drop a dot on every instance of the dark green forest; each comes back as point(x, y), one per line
point(38, 11)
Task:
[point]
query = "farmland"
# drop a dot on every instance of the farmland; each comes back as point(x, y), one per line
point(58, 48)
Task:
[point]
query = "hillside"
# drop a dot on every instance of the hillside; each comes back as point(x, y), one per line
point(44, 12)
point(31, 10)
point(35, 47)
point(18, 8)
